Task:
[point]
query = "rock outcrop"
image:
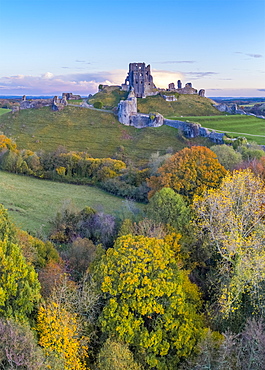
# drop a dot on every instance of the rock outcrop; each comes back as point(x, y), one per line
point(233, 109)
point(169, 97)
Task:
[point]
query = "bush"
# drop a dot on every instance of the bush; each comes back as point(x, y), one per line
point(98, 105)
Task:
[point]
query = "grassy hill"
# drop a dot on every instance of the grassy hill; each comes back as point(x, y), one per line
point(81, 129)
point(250, 127)
point(32, 211)
point(186, 105)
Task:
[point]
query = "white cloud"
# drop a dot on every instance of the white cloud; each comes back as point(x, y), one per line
point(47, 75)
point(163, 78)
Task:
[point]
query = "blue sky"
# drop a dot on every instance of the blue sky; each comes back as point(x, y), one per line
point(49, 47)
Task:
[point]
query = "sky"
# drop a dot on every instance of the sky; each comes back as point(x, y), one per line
point(49, 47)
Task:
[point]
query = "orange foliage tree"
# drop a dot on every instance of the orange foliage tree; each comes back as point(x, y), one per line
point(188, 172)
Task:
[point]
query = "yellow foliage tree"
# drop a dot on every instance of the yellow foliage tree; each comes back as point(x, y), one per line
point(58, 335)
point(233, 217)
point(150, 302)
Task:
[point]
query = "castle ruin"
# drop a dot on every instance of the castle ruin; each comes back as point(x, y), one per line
point(140, 79)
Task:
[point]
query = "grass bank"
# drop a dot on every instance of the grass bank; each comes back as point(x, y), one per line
point(80, 129)
point(4, 110)
point(32, 202)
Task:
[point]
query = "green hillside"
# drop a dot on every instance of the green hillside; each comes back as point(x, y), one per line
point(110, 96)
point(248, 126)
point(186, 105)
point(32, 210)
point(4, 111)
point(82, 129)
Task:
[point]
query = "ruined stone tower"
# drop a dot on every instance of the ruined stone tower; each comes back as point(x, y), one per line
point(140, 79)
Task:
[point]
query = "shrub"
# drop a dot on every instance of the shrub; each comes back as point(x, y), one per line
point(98, 105)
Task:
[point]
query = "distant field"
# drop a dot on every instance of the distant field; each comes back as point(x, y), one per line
point(251, 127)
point(32, 202)
point(81, 129)
point(76, 102)
point(4, 110)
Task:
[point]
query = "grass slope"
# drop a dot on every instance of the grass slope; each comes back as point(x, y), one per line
point(32, 202)
point(4, 110)
point(243, 125)
point(110, 96)
point(81, 129)
point(186, 105)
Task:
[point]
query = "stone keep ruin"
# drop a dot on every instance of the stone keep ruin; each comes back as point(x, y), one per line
point(140, 79)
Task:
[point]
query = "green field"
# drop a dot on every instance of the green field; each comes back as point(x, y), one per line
point(250, 127)
point(81, 129)
point(4, 110)
point(32, 202)
point(75, 102)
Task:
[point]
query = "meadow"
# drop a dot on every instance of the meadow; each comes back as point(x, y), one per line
point(32, 203)
point(235, 125)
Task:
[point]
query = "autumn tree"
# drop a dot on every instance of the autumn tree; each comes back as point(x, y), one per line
point(116, 356)
point(18, 347)
point(150, 302)
point(188, 172)
point(231, 222)
point(59, 337)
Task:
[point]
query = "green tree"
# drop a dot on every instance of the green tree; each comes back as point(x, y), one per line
point(169, 208)
point(150, 302)
point(19, 285)
point(227, 156)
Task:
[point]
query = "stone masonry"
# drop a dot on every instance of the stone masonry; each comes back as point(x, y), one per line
point(140, 79)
